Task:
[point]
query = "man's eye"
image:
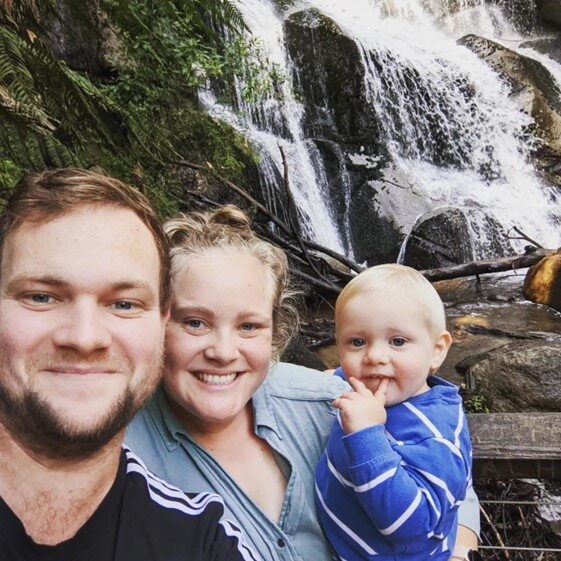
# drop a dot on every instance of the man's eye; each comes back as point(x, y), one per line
point(357, 342)
point(123, 305)
point(41, 298)
point(398, 341)
point(193, 323)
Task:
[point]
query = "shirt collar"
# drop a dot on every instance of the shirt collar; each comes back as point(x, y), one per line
point(263, 410)
point(166, 422)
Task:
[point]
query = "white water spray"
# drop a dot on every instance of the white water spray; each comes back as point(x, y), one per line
point(446, 117)
point(278, 122)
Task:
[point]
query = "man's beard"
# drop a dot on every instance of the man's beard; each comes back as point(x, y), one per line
point(36, 424)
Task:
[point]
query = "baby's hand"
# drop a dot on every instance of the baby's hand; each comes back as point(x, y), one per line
point(362, 408)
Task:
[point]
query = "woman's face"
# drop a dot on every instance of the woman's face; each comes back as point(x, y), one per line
point(218, 339)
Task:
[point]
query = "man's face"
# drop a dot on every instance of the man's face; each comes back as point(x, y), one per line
point(81, 331)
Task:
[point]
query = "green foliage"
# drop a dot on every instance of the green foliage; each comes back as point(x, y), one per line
point(246, 64)
point(49, 113)
point(476, 404)
point(9, 176)
point(216, 143)
point(137, 124)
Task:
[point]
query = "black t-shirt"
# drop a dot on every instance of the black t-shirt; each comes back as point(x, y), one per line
point(141, 518)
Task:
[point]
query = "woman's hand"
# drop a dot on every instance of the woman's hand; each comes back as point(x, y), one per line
point(362, 408)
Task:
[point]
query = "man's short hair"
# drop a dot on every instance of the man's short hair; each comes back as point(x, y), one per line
point(49, 194)
point(394, 279)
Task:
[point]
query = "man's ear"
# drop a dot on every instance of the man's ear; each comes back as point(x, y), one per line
point(440, 350)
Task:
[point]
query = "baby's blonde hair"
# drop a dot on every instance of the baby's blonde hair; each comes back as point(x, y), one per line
point(398, 279)
point(197, 233)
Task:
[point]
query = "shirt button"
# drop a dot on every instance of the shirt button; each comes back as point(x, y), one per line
point(281, 542)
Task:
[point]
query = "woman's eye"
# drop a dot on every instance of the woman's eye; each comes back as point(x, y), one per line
point(248, 327)
point(398, 341)
point(357, 342)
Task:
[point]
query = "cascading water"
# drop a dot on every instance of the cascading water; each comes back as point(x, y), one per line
point(445, 118)
point(277, 122)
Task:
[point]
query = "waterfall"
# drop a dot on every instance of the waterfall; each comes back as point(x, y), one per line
point(446, 117)
point(451, 131)
point(277, 122)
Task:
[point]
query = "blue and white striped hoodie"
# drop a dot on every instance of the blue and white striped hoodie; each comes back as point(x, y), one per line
point(392, 491)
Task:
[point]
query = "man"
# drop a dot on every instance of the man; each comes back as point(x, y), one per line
point(84, 296)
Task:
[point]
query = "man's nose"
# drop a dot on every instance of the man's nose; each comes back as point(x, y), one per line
point(84, 328)
point(223, 347)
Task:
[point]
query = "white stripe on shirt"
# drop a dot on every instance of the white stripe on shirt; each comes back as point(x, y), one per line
point(403, 518)
point(344, 527)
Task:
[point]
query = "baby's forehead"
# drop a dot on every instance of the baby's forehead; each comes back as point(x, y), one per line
point(367, 303)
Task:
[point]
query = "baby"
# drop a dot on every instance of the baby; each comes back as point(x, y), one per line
point(398, 461)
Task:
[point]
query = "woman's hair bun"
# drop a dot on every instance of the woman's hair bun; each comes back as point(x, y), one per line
point(232, 216)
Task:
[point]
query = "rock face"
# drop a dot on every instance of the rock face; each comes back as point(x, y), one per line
point(521, 376)
point(342, 123)
point(534, 88)
point(550, 11)
point(543, 281)
point(80, 35)
point(330, 80)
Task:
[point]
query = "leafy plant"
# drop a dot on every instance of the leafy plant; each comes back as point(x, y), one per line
point(138, 121)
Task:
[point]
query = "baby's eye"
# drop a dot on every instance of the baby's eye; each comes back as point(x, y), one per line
point(398, 341)
point(357, 342)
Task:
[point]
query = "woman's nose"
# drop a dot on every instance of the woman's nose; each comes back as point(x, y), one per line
point(223, 348)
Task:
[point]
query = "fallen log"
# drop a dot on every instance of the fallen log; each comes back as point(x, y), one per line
point(511, 445)
point(491, 266)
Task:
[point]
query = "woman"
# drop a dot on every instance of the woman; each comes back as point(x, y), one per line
point(225, 419)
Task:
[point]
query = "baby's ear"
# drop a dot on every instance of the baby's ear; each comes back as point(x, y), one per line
point(440, 350)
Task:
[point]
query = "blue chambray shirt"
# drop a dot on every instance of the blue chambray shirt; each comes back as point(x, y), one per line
point(293, 414)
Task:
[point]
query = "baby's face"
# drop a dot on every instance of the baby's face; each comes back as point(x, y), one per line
point(386, 336)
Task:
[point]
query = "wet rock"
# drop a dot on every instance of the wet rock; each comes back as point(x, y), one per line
point(543, 281)
point(429, 245)
point(382, 211)
point(520, 376)
point(341, 122)
point(533, 86)
point(550, 11)
point(550, 46)
point(298, 353)
point(80, 35)
point(330, 80)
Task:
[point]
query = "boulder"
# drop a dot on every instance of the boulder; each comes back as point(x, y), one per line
point(520, 376)
point(543, 281)
point(381, 212)
point(429, 244)
point(533, 86)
